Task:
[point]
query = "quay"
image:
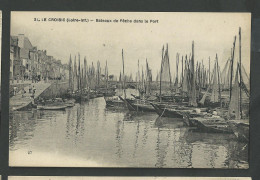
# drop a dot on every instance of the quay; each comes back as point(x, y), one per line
point(21, 101)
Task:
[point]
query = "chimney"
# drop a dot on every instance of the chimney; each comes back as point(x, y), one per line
point(21, 40)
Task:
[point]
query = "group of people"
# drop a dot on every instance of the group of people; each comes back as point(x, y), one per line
point(32, 91)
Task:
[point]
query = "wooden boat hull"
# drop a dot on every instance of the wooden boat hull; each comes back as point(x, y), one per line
point(211, 127)
point(114, 103)
point(166, 112)
point(70, 104)
point(240, 129)
point(62, 107)
point(137, 107)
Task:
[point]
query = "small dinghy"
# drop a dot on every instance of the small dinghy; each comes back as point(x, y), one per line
point(54, 104)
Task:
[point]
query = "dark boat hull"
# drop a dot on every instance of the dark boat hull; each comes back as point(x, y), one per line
point(114, 103)
point(241, 130)
point(54, 108)
point(212, 127)
point(137, 107)
point(165, 112)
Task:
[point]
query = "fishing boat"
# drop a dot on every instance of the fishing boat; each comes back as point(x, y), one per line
point(109, 92)
point(240, 129)
point(78, 81)
point(114, 101)
point(211, 124)
point(139, 107)
point(55, 104)
point(239, 101)
point(166, 112)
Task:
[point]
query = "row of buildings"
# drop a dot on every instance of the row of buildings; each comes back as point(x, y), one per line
point(29, 63)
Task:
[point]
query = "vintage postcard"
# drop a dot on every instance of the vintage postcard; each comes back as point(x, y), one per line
point(129, 89)
point(121, 178)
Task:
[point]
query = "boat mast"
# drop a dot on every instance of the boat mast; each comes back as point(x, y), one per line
point(85, 72)
point(168, 62)
point(240, 92)
point(70, 73)
point(75, 76)
point(193, 88)
point(232, 62)
point(139, 83)
point(123, 73)
point(106, 74)
point(182, 71)
point(79, 76)
point(209, 70)
point(161, 75)
point(177, 72)
point(219, 89)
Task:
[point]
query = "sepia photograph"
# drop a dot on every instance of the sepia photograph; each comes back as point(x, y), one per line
point(121, 178)
point(129, 89)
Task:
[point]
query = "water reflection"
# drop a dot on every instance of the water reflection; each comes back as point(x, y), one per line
point(112, 137)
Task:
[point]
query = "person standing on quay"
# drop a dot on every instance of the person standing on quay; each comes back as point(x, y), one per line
point(30, 88)
point(15, 88)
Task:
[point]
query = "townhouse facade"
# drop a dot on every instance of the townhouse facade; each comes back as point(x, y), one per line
point(27, 62)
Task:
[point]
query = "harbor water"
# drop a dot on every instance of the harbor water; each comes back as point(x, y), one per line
point(91, 135)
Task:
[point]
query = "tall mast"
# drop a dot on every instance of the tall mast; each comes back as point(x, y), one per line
point(79, 74)
point(167, 56)
point(147, 78)
point(193, 89)
point(232, 62)
point(123, 73)
point(177, 72)
point(70, 73)
point(219, 90)
point(209, 70)
point(85, 72)
point(161, 75)
point(240, 92)
point(106, 74)
point(139, 83)
point(182, 71)
point(75, 76)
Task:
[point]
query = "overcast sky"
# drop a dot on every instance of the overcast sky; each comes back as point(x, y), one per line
point(212, 33)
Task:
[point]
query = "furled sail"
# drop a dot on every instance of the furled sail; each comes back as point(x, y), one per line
point(234, 105)
point(225, 75)
point(214, 95)
point(70, 74)
point(165, 75)
point(148, 78)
